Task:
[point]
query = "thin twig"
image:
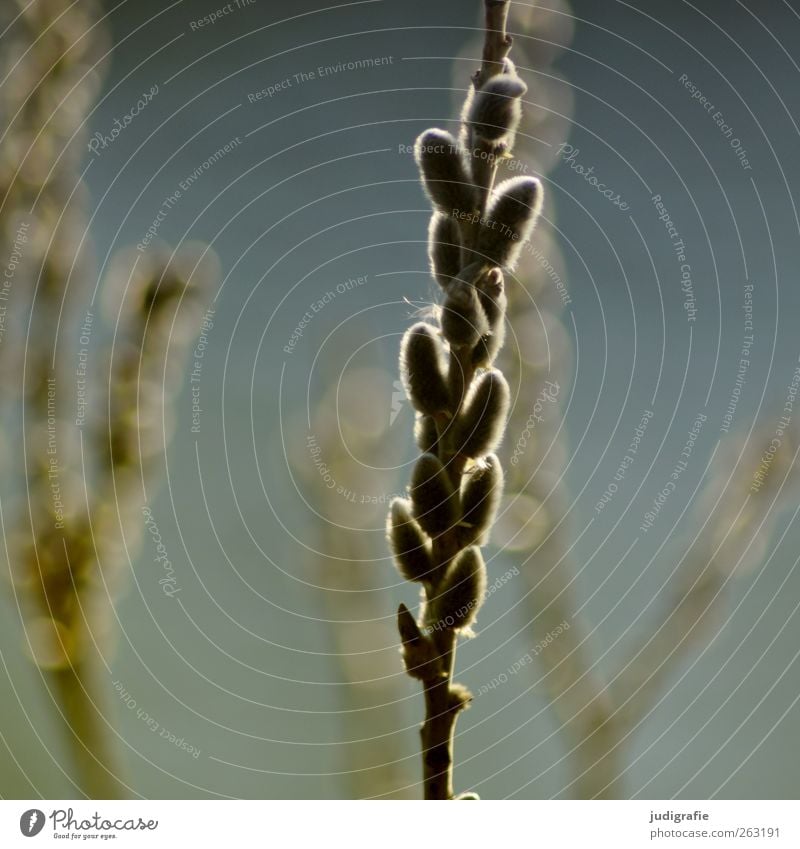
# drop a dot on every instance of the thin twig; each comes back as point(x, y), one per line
point(497, 42)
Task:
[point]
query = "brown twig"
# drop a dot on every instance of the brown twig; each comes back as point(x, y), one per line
point(497, 42)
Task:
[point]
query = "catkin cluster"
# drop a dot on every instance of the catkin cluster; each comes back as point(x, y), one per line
point(83, 478)
point(476, 233)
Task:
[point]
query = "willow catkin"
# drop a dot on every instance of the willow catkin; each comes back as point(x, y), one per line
point(495, 110)
point(433, 497)
point(481, 492)
point(493, 301)
point(444, 174)
point(463, 320)
point(410, 547)
point(461, 593)
point(419, 657)
point(444, 248)
point(514, 208)
point(426, 434)
point(479, 428)
point(422, 369)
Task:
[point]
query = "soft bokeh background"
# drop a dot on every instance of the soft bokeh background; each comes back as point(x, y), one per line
point(253, 662)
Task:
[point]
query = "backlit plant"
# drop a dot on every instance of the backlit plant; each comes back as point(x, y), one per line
point(477, 232)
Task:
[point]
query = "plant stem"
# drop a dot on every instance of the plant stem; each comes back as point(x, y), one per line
point(442, 701)
point(92, 754)
point(438, 730)
point(497, 42)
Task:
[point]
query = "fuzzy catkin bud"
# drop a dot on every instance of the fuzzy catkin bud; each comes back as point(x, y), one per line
point(419, 654)
point(495, 111)
point(407, 626)
point(426, 434)
point(422, 369)
point(515, 206)
point(480, 497)
point(480, 425)
point(410, 546)
point(444, 174)
point(493, 301)
point(444, 248)
point(462, 319)
point(435, 502)
point(458, 698)
point(461, 593)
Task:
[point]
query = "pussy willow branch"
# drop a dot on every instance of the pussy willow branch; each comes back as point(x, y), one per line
point(737, 527)
point(63, 563)
point(51, 565)
point(476, 233)
point(740, 523)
